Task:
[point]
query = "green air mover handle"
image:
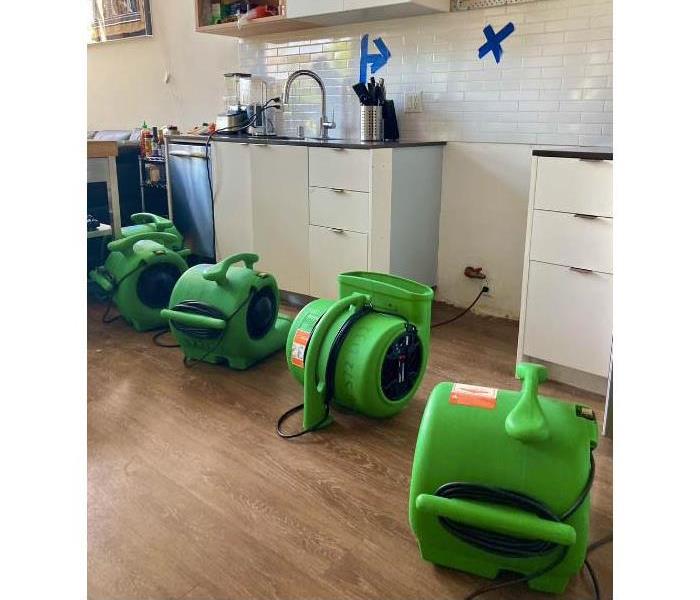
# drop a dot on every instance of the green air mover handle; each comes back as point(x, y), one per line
point(145, 218)
point(126, 244)
point(193, 320)
point(218, 271)
point(526, 422)
point(314, 391)
point(500, 519)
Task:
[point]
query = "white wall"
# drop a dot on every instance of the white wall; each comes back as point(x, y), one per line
point(482, 223)
point(125, 78)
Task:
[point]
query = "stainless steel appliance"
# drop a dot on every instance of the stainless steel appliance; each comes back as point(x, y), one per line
point(190, 196)
point(237, 103)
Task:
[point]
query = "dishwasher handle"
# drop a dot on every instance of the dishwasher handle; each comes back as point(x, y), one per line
point(185, 154)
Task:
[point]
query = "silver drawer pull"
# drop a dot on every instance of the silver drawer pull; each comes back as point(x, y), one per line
point(338, 149)
point(580, 270)
point(337, 230)
point(338, 190)
point(585, 216)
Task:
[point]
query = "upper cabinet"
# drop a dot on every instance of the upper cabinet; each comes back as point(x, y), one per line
point(335, 12)
point(312, 8)
point(303, 14)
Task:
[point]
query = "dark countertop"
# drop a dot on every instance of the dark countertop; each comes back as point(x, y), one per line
point(332, 143)
point(597, 154)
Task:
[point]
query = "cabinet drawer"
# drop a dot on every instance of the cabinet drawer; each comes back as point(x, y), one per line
point(568, 317)
point(332, 252)
point(339, 208)
point(572, 240)
point(574, 185)
point(339, 168)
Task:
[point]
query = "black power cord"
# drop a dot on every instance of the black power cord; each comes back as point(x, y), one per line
point(156, 339)
point(272, 103)
point(330, 375)
point(333, 355)
point(115, 286)
point(483, 291)
point(589, 567)
point(512, 546)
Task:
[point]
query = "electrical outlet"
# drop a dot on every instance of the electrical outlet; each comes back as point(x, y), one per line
point(489, 285)
point(413, 102)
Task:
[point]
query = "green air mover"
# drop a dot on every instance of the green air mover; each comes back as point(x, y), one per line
point(148, 222)
point(139, 275)
point(366, 351)
point(501, 479)
point(228, 314)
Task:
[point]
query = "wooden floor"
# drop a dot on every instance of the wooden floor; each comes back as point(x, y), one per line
point(191, 494)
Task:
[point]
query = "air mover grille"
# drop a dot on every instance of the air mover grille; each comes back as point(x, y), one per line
point(401, 366)
point(156, 283)
point(262, 313)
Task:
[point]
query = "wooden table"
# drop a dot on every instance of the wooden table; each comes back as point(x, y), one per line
point(102, 166)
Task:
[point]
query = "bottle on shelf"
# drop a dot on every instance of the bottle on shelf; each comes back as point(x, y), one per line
point(147, 143)
point(144, 129)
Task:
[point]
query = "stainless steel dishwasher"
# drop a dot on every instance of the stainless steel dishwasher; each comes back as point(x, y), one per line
point(190, 196)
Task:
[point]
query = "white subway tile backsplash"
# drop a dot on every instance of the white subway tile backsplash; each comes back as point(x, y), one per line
point(552, 86)
point(598, 117)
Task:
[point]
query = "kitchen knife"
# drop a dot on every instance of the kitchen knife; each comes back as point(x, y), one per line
point(360, 90)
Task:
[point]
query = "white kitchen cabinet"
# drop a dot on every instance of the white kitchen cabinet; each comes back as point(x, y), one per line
point(340, 168)
point(572, 239)
point(233, 206)
point(430, 5)
point(566, 311)
point(398, 215)
point(339, 208)
point(333, 251)
point(574, 185)
point(569, 317)
point(280, 198)
point(312, 213)
point(337, 12)
point(312, 8)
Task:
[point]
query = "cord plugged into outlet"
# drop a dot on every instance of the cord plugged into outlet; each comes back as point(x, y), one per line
point(470, 273)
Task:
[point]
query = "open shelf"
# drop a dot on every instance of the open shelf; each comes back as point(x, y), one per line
point(262, 26)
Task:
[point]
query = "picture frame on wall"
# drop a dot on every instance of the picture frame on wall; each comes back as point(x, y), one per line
point(118, 19)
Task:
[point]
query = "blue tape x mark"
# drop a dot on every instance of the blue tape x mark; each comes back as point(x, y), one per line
point(493, 41)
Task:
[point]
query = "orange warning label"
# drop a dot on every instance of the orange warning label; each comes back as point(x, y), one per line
point(473, 395)
point(301, 340)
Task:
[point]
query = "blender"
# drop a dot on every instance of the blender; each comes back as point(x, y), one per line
point(237, 104)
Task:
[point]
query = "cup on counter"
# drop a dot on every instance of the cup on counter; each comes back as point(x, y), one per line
point(371, 124)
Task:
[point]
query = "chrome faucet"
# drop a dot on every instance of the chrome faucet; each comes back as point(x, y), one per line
point(324, 122)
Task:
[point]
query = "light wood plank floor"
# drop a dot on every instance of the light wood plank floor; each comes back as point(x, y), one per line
point(191, 494)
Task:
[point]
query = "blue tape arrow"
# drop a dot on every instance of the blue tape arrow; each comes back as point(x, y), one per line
point(374, 61)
